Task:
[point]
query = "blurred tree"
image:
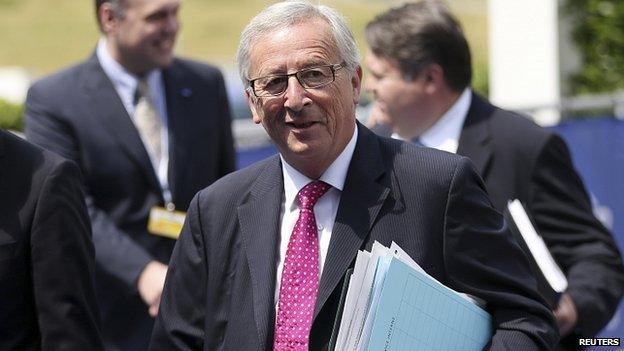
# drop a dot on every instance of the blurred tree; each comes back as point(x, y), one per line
point(598, 31)
point(11, 116)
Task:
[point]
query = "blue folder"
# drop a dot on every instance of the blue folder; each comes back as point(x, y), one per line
point(415, 312)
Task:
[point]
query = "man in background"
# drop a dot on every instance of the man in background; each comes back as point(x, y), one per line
point(420, 68)
point(262, 257)
point(47, 261)
point(148, 131)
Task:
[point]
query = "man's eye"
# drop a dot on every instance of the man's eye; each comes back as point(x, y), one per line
point(314, 74)
point(158, 16)
point(271, 84)
point(274, 81)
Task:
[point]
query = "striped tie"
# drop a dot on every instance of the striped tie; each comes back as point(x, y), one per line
point(147, 121)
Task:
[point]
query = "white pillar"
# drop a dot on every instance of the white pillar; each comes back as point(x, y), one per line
point(14, 83)
point(524, 56)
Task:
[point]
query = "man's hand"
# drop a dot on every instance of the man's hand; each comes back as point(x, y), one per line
point(566, 315)
point(150, 285)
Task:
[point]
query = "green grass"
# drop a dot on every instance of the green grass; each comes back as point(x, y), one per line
point(44, 35)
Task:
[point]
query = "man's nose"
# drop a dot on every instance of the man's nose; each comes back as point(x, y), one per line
point(296, 96)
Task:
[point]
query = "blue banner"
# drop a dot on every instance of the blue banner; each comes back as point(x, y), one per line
point(597, 147)
point(249, 156)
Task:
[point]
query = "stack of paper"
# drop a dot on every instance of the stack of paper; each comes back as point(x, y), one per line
point(393, 304)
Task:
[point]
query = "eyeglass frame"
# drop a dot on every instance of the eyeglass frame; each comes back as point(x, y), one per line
point(333, 67)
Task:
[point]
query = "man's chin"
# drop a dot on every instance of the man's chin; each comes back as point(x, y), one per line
point(385, 119)
point(301, 150)
point(162, 61)
point(147, 65)
point(166, 62)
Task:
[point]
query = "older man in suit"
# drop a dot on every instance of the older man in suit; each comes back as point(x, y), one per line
point(47, 261)
point(254, 239)
point(420, 75)
point(148, 131)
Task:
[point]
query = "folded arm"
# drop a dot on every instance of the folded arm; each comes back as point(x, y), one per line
point(583, 247)
point(482, 259)
point(63, 265)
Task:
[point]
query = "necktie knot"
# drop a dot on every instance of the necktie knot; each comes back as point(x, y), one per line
point(142, 90)
point(309, 194)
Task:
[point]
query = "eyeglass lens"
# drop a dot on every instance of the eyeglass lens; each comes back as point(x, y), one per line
point(308, 78)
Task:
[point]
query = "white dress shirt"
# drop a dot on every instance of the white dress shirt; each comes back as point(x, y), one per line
point(125, 84)
point(325, 208)
point(444, 134)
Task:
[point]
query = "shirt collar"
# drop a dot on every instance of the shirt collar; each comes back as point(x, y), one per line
point(444, 134)
point(124, 81)
point(335, 175)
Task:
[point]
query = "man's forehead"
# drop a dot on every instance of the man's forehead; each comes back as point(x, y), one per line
point(301, 44)
point(302, 31)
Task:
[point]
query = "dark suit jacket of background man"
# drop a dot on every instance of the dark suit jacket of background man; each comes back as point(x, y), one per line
point(520, 160)
point(47, 261)
point(78, 114)
point(221, 282)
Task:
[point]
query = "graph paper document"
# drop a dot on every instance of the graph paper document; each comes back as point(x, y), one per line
point(414, 312)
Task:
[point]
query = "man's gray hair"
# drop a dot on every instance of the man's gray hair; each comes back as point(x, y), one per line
point(288, 13)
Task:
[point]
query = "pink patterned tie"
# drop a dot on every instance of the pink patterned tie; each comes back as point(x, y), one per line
point(299, 285)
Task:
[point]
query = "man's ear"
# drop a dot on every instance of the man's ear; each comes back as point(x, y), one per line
point(253, 101)
point(356, 83)
point(107, 17)
point(434, 77)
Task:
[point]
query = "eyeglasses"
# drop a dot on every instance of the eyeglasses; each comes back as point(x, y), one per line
point(309, 78)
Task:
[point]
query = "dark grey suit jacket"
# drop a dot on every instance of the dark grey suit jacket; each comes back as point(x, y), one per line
point(519, 160)
point(220, 287)
point(78, 114)
point(47, 261)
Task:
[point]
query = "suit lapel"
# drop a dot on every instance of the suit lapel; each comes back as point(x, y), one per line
point(179, 119)
point(114, 118)
point(360, 202)
point(259, 223)
point(474, 140)
point(13, 203)
point(3, 165)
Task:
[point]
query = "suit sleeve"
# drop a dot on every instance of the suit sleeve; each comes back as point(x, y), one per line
point(116, 253)
point(63, 265)
point(482, 259)
point(584, 248)
point(180, 321)
point(227, 155)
